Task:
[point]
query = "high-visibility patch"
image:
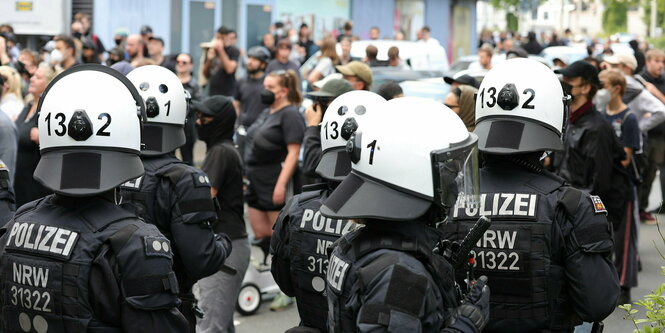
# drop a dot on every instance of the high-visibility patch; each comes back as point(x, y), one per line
point(598, 205)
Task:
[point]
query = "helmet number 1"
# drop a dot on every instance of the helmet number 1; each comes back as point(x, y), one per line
point(491, 91)
point(372, 146)
point(168, 107)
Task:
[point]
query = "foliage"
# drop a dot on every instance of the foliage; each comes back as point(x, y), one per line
point(512, 22)
point(653, 304)
point(615, 16)
point(660, 12)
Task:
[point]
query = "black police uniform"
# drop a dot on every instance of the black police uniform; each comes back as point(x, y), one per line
point(176, 198)
point(311, 151)
point(547, 253)
point(298, 244)
point(85, 265)
point(7, 199)
point(385, 277)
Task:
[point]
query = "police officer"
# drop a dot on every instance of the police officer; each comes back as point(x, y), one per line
point(171, 195)
point(384, 277)
point(547, 253)
point(74, 261)
point(7, 201)
point(301, 235)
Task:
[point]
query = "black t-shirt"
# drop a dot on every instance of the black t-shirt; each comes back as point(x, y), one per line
point(271, 133)
point(249, 96)
point(224, 168)
point(221, 82)
point(659, 82)
point(26, 187)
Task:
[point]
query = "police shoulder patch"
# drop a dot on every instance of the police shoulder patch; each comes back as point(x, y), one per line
point(201, 179)
point(157, 246)
point(598, 205)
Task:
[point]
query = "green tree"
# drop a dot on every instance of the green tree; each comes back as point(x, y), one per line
point(615, 16)
point(660, 13)
point(512, 8)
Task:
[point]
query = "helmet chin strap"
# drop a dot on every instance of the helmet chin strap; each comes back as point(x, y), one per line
point(117, 198)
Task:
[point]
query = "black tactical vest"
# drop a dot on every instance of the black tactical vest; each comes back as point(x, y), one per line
point(310, 235)
point(151, 197)
point(349, 249)
point(46, 263)
point(521, 252)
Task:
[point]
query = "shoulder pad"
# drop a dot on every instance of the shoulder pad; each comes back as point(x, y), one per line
point(546, 182)
point(315, 187)
point(311, 193)
point(30, 205)
point(177, 171)
point(570, 200)
point(101, 215)
point(174, 172)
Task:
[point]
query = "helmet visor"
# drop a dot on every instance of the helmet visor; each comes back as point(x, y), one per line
point(456, 176)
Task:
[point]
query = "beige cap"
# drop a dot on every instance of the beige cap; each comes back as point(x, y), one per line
point(358, 69)
point(624, 59)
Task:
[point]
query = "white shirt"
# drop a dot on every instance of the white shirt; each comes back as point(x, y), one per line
point(11, 106)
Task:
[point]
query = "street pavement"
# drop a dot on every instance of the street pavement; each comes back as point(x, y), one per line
point(649, 278)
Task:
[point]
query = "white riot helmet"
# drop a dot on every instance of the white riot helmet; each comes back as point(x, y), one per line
point(520, 108)
point(166, 104)
point(343, 117)
point(417, 154)
point(89, 131)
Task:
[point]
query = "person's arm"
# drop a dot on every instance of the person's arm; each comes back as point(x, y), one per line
point(193, 212)
point(312, 143)
point(236, 105)
point(317, 72)
point(8, 137)
point(229, 65)
point(288, 169)
point(207, 65)
point(654, 91)
point(629, 155)
point(590, 273)
point(651, 109)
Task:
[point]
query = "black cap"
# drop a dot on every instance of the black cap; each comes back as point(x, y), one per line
point(159, 39)
point(462, 79)
point(146, 29)
point(212, 105)
point(581, 69)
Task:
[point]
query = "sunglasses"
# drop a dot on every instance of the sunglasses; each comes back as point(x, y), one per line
point(182, 62)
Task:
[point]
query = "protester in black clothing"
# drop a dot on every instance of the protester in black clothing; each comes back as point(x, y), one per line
point(221, 64)
point(184, 66)
point(271, 155)
point(639, 55)
point(532, 46)
point(27, 155)
point(219, 292)
point(247, 101)
point(591, 162)
point(86, 32)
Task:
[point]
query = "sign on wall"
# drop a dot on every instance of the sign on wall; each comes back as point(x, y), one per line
point(36, 17)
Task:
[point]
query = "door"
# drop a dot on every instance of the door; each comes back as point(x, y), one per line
point(258, 23)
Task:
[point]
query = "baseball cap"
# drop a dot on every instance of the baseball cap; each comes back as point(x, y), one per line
point(146, 29)
point(159, 39)
point(319, 84)
point(332, 88)
point(462, 79)
point(624, 59)
point(581, 69)
point(358, 69)
point(212, 105)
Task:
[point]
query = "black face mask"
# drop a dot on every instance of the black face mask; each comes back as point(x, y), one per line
point(77, 35)
point(118, 41)
point(267, 97)
point(205, 132)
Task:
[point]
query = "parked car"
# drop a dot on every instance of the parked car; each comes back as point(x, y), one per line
point(435, 88)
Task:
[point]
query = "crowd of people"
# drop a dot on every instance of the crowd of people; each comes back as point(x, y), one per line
point(263, 148)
